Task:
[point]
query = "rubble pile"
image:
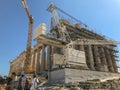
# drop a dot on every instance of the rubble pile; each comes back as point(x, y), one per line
point(88, 85)
point(107, 85)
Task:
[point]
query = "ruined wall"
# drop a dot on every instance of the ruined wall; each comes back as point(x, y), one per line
point(38, 60)
point(17, 64)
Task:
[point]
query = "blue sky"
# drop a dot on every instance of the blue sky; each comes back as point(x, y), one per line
point(102, 16)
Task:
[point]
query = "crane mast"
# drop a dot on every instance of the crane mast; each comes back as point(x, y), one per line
point(27, 62)
point(63, 34)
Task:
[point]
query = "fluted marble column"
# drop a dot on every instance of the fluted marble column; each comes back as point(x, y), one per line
point(97, 59)
point(91, 60)
point(43, 61)
point(49, 63)
point(103, 59)
point(114, 62)
point(38, 60)
point(81, 47)
point(109, 61)
point(114, 65)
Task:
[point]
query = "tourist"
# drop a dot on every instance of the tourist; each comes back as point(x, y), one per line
point(9, 83)
point(13, 83)
point(3, 84)
point(21, 82)
point(35, 83)
point(28, 83)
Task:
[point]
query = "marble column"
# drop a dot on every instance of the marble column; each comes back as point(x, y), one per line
point(43, 61)
point(91, 60)
point(103, 59)
point(97, 60)
point(114, 61)
point(49, 64)
point(109, 61)
point(81, 47)
point(114, 65)
point(38, 60)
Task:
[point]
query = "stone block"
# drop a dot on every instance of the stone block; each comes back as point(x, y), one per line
point(74, 75)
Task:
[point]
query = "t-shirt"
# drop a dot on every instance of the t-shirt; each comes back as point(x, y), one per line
point(34, 83)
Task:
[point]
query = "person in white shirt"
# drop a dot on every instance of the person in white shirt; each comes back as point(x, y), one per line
point(35, 82)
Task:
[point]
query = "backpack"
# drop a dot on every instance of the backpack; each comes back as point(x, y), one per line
point(37, 81)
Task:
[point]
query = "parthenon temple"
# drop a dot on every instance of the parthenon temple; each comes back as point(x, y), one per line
point(101, 58)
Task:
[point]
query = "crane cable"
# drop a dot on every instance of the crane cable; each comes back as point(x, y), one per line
point(80, 22)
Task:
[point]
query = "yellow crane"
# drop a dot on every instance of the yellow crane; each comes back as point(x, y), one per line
point(27, 63)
